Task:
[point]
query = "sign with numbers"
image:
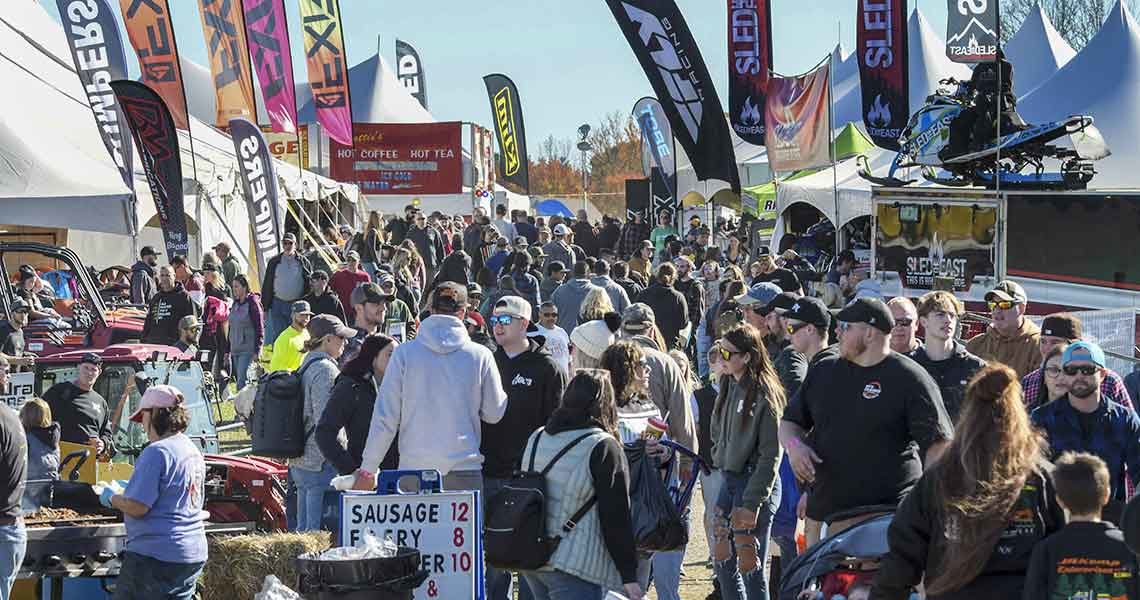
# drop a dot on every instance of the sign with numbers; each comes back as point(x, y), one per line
point(21, 388)
point(446, 527)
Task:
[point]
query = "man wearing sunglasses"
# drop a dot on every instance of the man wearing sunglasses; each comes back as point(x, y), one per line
point(286, 281)
point(808, 321)
point(428, 243)
point(1086, 421)
point(790, 365)
point(1062, 329)
point(1011, 338)
point(904, 335)
point(754, 305)
point(557, 340)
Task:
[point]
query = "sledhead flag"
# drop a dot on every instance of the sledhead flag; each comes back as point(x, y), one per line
point(881, 48)
point(749, 65)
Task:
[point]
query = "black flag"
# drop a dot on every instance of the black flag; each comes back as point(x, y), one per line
point(881, 46)
point(972, 30)
point(259, 183)
point(157, 141)
point(749, 63)
point(671, 60)
point(410, 70)
point(504, 96)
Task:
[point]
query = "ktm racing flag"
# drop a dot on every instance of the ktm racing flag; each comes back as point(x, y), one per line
point(152, 35)
point(229, 59)
point(749, 63)
point(506, 108)
point(798, 120)
point(259, 183)
point(328, 67)
point(268, 36)
point(881, 44)
point(668, 54)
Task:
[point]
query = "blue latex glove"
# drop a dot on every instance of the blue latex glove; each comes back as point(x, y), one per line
point(105, 496)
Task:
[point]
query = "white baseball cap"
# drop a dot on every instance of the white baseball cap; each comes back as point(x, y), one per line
point(513, 306)
point(561, 229)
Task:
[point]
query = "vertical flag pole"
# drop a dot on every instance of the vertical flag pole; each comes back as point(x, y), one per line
point(831, 146)
point(1000, 99)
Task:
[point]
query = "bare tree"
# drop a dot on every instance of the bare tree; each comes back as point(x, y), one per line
point(1076, 20)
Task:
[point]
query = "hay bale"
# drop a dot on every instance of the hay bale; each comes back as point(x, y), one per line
point(238, 564)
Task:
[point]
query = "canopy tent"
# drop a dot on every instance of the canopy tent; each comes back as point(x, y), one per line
point(552, 207)
point(1036, 51)
point(53, 164)
point(377, 96)
point(1102, 80)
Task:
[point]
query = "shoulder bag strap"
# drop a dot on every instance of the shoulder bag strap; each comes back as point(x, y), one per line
point(534, 448)
point(562, 452)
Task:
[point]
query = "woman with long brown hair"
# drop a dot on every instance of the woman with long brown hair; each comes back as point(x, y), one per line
point(746, 448)
point(969, 525)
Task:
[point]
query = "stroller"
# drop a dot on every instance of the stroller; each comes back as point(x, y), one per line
point(840, 564)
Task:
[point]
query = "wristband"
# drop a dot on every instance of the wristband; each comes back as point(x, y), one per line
point(365, 473)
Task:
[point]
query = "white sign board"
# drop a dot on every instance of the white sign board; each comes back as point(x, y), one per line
point(21, 388)
point(446, 528)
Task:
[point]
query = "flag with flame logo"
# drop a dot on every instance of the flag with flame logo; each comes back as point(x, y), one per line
point(152, 35)
point(881, 48)
point(229, 59)
point(798, 120)
point(749, 64)
point(268, 35)
point(328, 67)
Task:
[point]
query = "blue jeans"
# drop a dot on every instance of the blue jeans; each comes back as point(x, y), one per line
point(556, 585)
point(754, 585)
point(710, 492)
point(311, 486)
point(13, 543)
point(667, 565)
point(241, 361)
point(499, 583)
point(278, 317)
point(145, 578)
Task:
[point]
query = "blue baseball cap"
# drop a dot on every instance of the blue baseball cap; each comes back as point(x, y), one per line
point(1083, 351)
point(761, 293)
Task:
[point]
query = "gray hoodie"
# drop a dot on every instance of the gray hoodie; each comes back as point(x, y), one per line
point(316, 381)
point(616, 292)
point(437, 391)
point(568, 298)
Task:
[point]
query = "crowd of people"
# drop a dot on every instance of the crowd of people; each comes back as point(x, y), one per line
point(469, 346)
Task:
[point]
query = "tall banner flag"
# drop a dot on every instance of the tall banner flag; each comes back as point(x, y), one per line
point(267, 32)
point(410, 70)
point(972, 30)
point(260, 186)
point(749, 63)
point(881, 44)
point(668, 54)
point(328, 67)
point(507, 109)
point(152, 36)
point(153, 128)
point(798, 120)
point(97, 53)
point(656, 138)
point(223, 26)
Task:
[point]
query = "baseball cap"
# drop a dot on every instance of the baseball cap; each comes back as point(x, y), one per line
point(91, 357)
point(870, 311)
point(513, 306)
point(352, 255)
point(322, 325)
point(536, 252)
point(1009, 291)
point(449, 297)
point(148, 251)
point(761, 293)
point(521, 242)
point(561, 229)
point(502, 243)
point(19, 305)
point(1083, 351)
point(637, 317)
point(188, 322)
point(811, 311)
point(1062, 325)
point(319, 274)
point(209, 267)
point(301, 307)
point(370, 292)
point(222, 246)
point(289, 237)
point(474, 289)
point(156, 396)
point(557, 267)
point(782, 302)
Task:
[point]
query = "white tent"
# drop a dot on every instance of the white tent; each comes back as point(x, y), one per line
point(928, 61)
point(54, 169)
point(377, 96)
point(1102, 80)
point(1036, 51)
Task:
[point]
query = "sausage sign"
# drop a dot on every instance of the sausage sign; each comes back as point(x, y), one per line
point(444, 526)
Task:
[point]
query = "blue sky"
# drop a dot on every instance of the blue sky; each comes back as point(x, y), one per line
point(568, 58)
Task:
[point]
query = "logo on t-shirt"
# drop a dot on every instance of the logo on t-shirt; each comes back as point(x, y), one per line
point(520, 380)
point(872, 390)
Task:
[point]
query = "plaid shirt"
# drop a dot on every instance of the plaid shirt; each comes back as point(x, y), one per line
point(1112, 388)
point(631, 237)
point(1113, 435)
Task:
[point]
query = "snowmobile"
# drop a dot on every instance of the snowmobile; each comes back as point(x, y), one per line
point(1014, 160)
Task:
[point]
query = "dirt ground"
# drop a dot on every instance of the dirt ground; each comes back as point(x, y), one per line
point(696, 580)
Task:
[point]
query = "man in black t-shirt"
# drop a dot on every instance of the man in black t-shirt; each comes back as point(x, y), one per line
point(12, 336)
point(82, 414)
point(869, 412)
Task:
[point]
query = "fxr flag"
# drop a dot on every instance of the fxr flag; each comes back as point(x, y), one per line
point(152, 36)
point(229, 59)
point(328, 70)
point(268, 35)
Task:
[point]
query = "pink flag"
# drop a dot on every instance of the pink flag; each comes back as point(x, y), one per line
point(268, 39)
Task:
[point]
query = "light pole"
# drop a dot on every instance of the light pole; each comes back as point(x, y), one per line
point(584, 146)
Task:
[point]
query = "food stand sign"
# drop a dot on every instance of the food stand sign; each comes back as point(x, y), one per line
point(931, 245)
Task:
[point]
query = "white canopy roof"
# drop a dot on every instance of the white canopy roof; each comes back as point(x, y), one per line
point(1102, 80)
point(53, 164)
point(928, 61)
point(1036, 51)
point(377, 96)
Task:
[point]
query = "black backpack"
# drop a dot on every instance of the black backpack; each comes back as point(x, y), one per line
point(277, 425)
point(514, 535)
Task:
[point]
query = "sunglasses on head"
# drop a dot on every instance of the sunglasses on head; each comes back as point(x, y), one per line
point(842, 325)
point(503, 320)
point(1002, 304)
point(1087, 370)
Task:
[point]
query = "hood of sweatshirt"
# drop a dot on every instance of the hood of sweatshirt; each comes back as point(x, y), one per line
point(179, 290)
point(48, 436)
point(535, 351)
point(442, 334)
point(581, 286)
point(142, 266)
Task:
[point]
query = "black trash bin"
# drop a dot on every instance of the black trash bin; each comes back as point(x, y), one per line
point(365, 579)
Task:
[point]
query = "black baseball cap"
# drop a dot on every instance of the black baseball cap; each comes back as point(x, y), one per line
point(871, 311)
point(811, 311)
point(91, 357)
point(148, 251)
point(782, 302)
point(785, 278)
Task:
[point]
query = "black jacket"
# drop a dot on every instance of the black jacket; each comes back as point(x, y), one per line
point(350, 408)
point(143, 286)
point(267, 296)
point(608, 236)
point(585, 237)
point(163, 313)
point(951, 374)
point(429, 244)
point(706, 401)
point(1092, 551)
point(694, 293)
point(917, 542)
point(456, 268)
point(671, 310)
point(632, 288)
point(327, 303)
point(398, 228)
point(534, 386)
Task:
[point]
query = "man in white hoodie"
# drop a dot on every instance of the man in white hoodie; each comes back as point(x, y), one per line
point(437, 391)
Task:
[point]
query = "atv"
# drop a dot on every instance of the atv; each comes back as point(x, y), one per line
point(1015, 160)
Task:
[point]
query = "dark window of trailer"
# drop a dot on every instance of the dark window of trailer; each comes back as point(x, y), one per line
point(1080, 238)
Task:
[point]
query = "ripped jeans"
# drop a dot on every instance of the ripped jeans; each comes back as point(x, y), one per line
point(753, 585)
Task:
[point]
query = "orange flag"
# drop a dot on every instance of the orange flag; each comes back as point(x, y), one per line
point(224, 27)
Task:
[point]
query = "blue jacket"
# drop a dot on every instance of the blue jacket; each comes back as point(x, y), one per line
point(1114, 436)
point(784, 523)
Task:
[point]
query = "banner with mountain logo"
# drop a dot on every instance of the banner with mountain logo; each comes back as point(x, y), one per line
point(972, 30)
point(749, 64)
point(881, 49)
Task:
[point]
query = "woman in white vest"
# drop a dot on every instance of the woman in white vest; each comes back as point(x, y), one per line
point(598, 554)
